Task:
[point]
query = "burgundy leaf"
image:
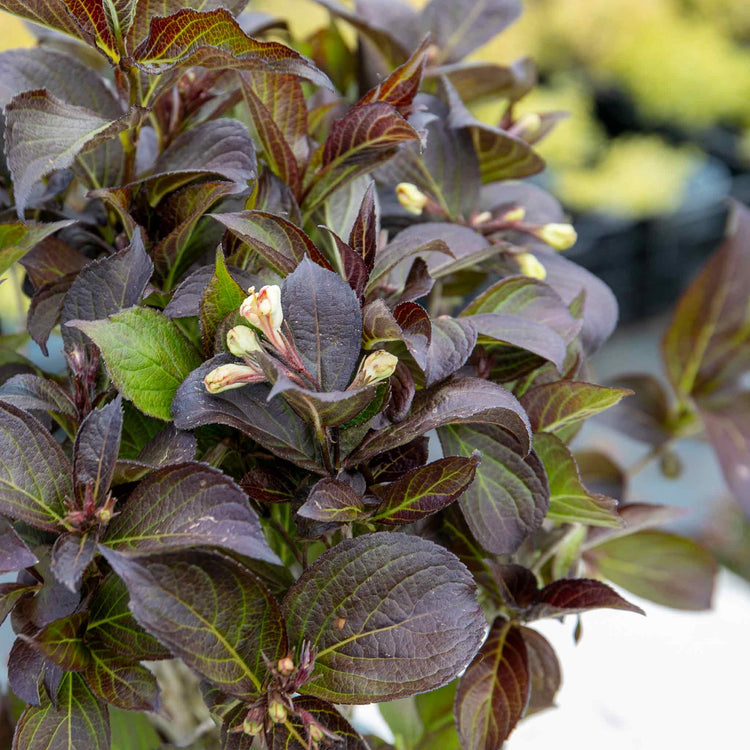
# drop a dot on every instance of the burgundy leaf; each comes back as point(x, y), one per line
point(571, 596)
point(14, 554)
point(544, 671)
point(333, 501)
point(71, 555)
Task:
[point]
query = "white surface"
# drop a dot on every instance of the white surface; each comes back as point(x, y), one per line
point(668, 680)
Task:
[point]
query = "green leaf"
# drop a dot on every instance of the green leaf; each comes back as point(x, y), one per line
point(184, 506)
point(707, 343)
point(122, 682)
point(131, 730)
point(366, 136)
point(412, 627)
point(43, 134)
point(35, 475)
point(62, 642)
point(509, 498)
point(663, 568)
point(146, 355)
point(209, 611)
point(222, 296)
point(553, 407)
point(570, 501)
point(333, 501)
point(424, 491)
point(214, 40)
point(493, 692)
point(112, 625)
point(77, 720)
point(18, 238)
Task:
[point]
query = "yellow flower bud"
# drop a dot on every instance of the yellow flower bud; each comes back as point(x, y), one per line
point(263, 310)
point(528, 125)
point(481, 218)
point(375, 367)
point(226, 377)
point(531, 266)
point(558, 236)
point(285, 666)
point(242, 341)
point(515, 214)
point(411, 198)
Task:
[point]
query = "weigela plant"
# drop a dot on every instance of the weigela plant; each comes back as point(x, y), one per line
point(324, 367)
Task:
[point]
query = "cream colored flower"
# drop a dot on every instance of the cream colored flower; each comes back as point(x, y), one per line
point(227, 377)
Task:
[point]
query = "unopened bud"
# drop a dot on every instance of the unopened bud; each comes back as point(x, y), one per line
point(375, 367)
point(226, 377)
point(531, 266)
point(481, 218)
point(411, 198)
point(104, 515)
point(277, 711)
point(316, 733)
point(241, 341)
point(252, 727)
point(558, 236)
point(515, 214)
point(527, 126)
point(285, 666)
point(263, 310)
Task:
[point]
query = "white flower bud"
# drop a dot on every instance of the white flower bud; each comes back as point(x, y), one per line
point(241, 341)
point(375, 367)
point(263, 310)
point(226, 377)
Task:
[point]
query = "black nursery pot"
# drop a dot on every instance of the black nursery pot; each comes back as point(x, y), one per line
point(648, 263)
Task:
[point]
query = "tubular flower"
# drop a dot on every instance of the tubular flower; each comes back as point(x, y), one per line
point(557, 236)
point(375, 367)
point(241, 341)
point(226, 377)
point(263, 310)
point(531, 266)
point(411, 198)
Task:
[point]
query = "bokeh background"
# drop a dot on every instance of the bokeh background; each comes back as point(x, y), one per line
point(657, 137)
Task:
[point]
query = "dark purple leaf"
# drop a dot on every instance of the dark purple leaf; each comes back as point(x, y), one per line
point(35, 393)
point(333, 501)
point(570, 501)
point(574, 595)
point(71, 555)
point(105, 287)
point(96, 448)
point(600, 306)
point(365, 231)
point(44, 134)
point(272, 424)
point(556, 406)
point(36, 476)
point(14, 554)
point(20, 237)
point(708, 341)
point(544, 671)
point(280, 243)
point(393, 464)
point(368, 135)
point(120, 681)
point(168, 447)
point(663, 568)
point(175, 597)
point(46, 308)
point(412, 627)
point(509, 498)
point(10, 593)
point(80, 720)
point(424, 491)
point(214, 40)
point(494, 691)
point(324, 316)
point(50, 260)
point(220, 147)
point(50, 13)
point(62, 642)
point(451, 344)
point(25, 668)
point(267, 486)
point(184, 506)
point(112, 625)
point(460, 401)
point(458, 27)
point(727, 425)
point(479, 80)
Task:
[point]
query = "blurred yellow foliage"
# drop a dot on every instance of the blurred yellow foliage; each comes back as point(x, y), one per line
point(13, 33)
point(638, 176)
